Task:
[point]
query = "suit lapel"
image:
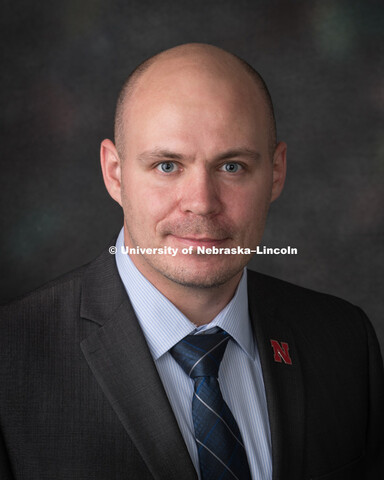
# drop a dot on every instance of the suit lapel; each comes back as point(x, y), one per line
point(283, 381)
point(120, 360)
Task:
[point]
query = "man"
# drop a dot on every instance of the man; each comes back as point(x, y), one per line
point(174, 362)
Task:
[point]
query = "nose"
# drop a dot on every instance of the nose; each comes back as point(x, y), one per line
point(199, 194)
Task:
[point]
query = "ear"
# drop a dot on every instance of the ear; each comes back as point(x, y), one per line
point(279, 169)
point(111, 167)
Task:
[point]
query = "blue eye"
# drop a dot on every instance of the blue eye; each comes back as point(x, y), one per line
point(231, 167)
point(166, 167)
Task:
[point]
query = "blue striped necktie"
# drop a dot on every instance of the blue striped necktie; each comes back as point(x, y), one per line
point(219, 444)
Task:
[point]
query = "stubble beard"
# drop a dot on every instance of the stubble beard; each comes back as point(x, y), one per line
point(183, 277)
point(181, 274)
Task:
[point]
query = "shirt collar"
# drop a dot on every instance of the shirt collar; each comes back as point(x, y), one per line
point(164, 325)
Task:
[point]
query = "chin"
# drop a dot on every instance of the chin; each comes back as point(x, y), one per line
point(200, 276)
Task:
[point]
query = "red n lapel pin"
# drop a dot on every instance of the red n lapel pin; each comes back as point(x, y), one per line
point(281, 352)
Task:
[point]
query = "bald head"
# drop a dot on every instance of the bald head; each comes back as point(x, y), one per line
point(189, 63)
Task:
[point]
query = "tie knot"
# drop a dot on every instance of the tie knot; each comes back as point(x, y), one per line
point(200, 355)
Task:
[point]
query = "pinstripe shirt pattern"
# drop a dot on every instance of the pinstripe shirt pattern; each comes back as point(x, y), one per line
point(164, 326)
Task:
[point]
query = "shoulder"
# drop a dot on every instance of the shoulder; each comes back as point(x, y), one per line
point(40, 320)
point(62, 289)
point(94, 288)
point(290, 292)
point(307, 310)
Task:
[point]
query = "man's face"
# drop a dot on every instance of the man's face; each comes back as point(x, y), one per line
point(197, 171)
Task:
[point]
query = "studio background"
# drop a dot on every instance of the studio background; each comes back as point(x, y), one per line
point(63, 65)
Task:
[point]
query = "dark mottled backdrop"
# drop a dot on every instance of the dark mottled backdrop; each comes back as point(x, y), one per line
point(63, 64)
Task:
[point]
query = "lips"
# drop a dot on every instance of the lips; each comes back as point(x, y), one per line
point(196, 231)
point(199, 241)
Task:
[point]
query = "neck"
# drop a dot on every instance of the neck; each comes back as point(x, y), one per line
point(200, 305)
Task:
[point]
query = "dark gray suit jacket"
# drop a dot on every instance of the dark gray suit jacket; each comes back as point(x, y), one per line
point(81, 398)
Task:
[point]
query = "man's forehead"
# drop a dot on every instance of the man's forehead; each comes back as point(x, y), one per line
point(188, 84)
point(191, 77)
point(194, 118)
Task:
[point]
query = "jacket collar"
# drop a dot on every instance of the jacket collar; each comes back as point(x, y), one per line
point(283, 381)
point(120, 360)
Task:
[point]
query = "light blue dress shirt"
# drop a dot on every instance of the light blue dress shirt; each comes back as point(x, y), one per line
point(240, 374)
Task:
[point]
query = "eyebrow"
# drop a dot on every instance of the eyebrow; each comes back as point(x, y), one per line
point(161, 154)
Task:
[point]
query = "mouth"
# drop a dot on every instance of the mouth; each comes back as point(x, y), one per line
point(200, 241)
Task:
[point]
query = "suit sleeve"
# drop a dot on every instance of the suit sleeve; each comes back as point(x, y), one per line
point(375, 437)
point(5, 467)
